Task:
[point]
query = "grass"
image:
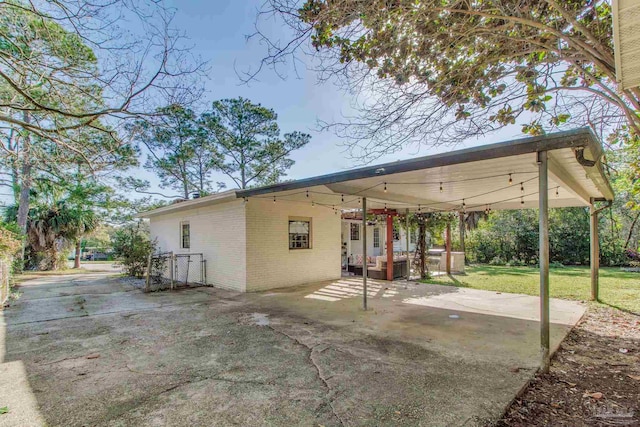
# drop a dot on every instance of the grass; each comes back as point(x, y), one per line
point(618, 289)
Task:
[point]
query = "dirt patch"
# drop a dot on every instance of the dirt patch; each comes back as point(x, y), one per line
point(594, 377)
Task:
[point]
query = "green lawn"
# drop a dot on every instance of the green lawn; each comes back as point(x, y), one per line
point(617, 288)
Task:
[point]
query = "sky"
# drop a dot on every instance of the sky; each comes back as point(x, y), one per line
point(217, 31)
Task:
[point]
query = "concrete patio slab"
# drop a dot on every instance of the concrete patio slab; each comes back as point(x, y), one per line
point(94, 350)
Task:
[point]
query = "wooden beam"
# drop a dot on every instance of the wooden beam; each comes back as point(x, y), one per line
point(408, 237)
point(448, 247)
point(389, 247)
point(364, 253)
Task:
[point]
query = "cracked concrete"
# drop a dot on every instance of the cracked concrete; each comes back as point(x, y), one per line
point(92, 350)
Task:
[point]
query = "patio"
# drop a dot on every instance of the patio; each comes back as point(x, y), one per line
point(91, 349)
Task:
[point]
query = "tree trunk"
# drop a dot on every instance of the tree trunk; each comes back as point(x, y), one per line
point(76, 261)
point(631, 228)
point(25, 187)
point(422, 247)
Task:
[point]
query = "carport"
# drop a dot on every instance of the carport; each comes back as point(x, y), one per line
point(562, 169)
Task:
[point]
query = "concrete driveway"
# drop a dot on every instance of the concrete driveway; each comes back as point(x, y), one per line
point(93, 350)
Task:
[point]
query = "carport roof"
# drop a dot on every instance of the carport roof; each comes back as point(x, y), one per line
point(495, 176)
point(478, 178)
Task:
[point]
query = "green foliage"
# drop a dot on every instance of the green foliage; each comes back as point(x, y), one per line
point(487, 61)
point(178, 151)
point(131, 245)
point(511, 238)
point(248, 141)
point(10, 242)
point(505, 236)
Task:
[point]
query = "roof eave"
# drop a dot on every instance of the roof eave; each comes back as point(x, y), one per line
point(190, 204)
point(581, 137)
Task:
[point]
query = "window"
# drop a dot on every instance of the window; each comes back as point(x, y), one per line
point(185, 235)
point(376, 237)
point(396, 233)
point(355, 231)
point(299, 234)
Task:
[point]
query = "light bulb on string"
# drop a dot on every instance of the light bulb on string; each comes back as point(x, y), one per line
point(307, 194)
point(557, 191)
point(522, 200)
point(510, 179)
point(441, 187)
point(419, 208)
point(274, 199)
point(385, 187)
point(522, 188)
point(342, 198)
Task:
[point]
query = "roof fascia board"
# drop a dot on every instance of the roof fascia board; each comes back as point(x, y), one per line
point(190, 204)
point(572, 138)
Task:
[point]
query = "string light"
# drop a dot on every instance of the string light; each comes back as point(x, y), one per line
point(307, 194)
point(358, 200)
point(522, 200)
point(385, 207)
point(419, 208)
point(342, 198)
point(486, 210)
point(464, 205)
point(441, 187)
point(385, 187)
point(557, 192)
point(274, 199)
point(521, 188)
point(510, 179)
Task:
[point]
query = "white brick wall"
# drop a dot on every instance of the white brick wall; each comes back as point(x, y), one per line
point(247, 245)
point(270, 263)
point(218, 232)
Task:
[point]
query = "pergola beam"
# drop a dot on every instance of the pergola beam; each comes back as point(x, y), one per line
point(448, 248)
point(364, 253)
point(407, 236)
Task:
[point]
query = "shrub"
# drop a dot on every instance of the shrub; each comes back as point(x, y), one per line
point(497, 261)
point(131, 244)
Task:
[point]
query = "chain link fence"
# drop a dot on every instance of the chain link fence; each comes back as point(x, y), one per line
point(5, 267)
point(168, 270)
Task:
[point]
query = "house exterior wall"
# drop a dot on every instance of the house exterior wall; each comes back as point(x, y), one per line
point(354, 247)
point(270, 262)
point(218, 232)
